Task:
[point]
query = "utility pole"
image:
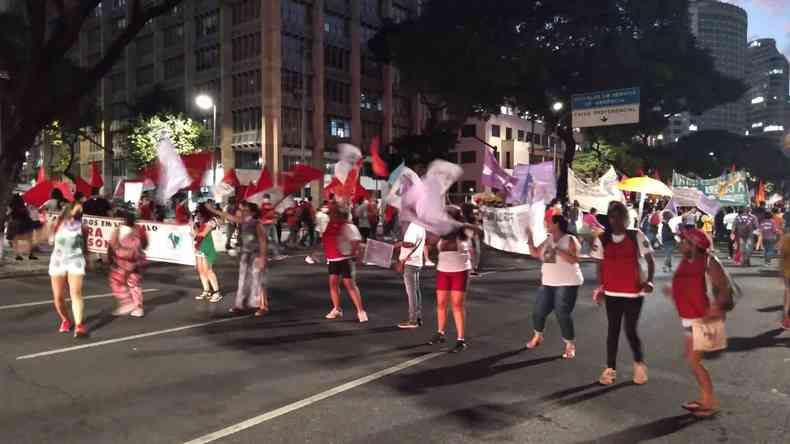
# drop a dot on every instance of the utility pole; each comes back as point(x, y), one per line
point(303, 117)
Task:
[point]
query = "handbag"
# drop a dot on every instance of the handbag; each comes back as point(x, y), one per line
point(709, 335)
point(399, 265)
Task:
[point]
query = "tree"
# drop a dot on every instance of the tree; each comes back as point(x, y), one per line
point(185, 133)
point(596, 161)
point(532, 53)
point(39, 85)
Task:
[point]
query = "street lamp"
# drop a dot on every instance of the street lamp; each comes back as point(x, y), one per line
point(557, 107)
point(205, 102)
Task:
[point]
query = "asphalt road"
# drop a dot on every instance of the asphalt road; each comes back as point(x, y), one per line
point(188, 372)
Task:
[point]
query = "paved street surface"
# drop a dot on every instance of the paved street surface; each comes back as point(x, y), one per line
point(188, 372)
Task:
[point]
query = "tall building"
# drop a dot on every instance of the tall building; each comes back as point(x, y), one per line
point(721, 28)
point(290, 78)
point(768, 75)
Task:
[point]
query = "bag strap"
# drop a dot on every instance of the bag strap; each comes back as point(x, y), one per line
point(735, 288)
point(413, 249)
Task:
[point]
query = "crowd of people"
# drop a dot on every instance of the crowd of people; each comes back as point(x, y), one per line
point(621, 242)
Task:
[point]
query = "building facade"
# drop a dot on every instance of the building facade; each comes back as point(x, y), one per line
point(290, 78)
point(768, 76)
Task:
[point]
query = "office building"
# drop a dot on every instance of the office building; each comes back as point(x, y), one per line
point(768, 75)
point(290, 78)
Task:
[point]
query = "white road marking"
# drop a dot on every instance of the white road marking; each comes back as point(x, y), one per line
point(252, 422)
point(49, 302)
point(127, 338)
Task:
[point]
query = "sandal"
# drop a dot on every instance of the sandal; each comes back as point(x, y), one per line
point(570, 351)
point(535, 342)
point(261, 311)
point(692, 406)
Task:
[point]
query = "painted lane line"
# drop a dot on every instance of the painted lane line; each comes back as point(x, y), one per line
point(252, 422)
point(127, 338)
point(49, 302)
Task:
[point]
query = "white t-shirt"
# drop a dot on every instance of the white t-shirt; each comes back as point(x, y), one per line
point(455, 261)
point(321, 221)
point(729, 220)
point(415, 234)
point(556, 271)
point(348, 234)
point(644, 249)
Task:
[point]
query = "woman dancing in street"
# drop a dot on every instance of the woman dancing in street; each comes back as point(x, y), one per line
point(67, 266)
point(127, 260)
point(561, 279)
point(341, 241)
point(252, 262)
point(452, 279)
point(690, 294)
point(205, 254)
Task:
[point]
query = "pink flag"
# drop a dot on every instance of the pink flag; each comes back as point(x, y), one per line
point(494, 176)
point(423, 202)
point(173, 174)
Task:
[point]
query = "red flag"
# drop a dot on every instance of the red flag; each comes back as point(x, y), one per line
point(96, 179)
point(361, 193)
point(42, 175)
point(196, 165)
point(265, 181)
point(65, 189)
point(332, 188)
point(349, 187)
point(39, 194)
point(760, 195)
point(151, 172)
point(83, 187)
point(379, 165)
point(299, 176)
point(231, 178)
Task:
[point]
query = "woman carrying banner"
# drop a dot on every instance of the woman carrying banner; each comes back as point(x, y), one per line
point(561, 278)
point(67, 266)
point(205, 254)
point(127, 260)
point(252, 263)
point(690, 294)
point(341, 241)
point(452, 279)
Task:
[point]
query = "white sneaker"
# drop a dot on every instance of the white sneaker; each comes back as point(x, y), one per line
point(334, 314)
point(309, 260)
point(216, 297)
point(123, 310)
point(430, 264)
point(363, 316)
point(137, 313)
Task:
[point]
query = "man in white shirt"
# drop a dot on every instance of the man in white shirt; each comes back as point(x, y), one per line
point(729, 225)
point(411, 254)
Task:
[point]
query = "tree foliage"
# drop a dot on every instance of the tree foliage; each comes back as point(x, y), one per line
point(186, 134)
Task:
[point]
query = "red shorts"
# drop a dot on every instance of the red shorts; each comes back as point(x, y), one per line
point(452, 281)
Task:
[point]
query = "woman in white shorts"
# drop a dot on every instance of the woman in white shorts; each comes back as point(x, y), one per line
point(67, 265)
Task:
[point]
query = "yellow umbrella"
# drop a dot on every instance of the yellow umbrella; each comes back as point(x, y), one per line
point(646, 185)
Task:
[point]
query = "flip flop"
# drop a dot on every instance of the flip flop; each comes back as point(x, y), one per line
point(259, 313)
point(692, 406)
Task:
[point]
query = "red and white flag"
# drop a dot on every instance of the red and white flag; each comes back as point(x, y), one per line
point(173, 175)
point(96, 180)
point(255, 191)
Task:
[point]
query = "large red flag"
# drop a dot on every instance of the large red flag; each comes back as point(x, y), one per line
point(231, 178)
point(299, 176)
point(350, 186)
point(42, 175)
point(65, 189)
point(255, 190)
point(760, 195)
point(83, 187)
point(196, 164)
point(379, 165)
point(96, 179)
point(39, 194)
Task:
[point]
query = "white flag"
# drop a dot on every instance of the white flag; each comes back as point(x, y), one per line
point(172, 174)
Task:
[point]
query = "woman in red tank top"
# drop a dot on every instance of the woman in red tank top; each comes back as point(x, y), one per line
point(690, 294)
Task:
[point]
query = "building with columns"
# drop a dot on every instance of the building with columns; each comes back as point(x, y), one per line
point(290, 78)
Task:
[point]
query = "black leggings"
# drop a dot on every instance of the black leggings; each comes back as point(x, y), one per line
point(616, 309)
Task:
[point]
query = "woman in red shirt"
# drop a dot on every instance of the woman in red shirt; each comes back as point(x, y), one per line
point(690, 294)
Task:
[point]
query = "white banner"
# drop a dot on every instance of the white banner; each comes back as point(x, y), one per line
point(506, 228)
point(596, 194)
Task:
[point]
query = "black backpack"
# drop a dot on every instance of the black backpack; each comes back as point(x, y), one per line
point(666, 233)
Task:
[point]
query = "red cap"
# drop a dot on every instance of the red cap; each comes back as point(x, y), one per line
point(697, 237)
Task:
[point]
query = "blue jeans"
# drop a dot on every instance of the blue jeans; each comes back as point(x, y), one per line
point(769, 246)
point(411, 280)
point(747, 247)
point(560, 300)
point(669, 250)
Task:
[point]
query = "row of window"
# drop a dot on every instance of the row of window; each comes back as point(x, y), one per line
point(371, 101)
point(295, 13)
point(293, 82)
point(174, 67)
point(207, 58)
point(336, 26)
point(207, 24)
point(337, 58)
point(246, 47)
point(247, 119)
point(243, 11)
point(291, 126)
point(246, 83)
point(337, 91)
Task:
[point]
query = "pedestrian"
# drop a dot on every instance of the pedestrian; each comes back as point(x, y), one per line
point(307, 217)
point(146, 207)
point(621, 253)
point(231, 227)
point(591, 230)
point(55, 203)
point(21, 228)
point(341, 241)
point(252, 291)
point(729, 227)
point(181, 209)
point(667, 239)
point(769, 233)
point(554, 208)
point(785, 271)
point(745, 225)
point(411, 256)
point(291, 215)
point(452, 280)
point(362, 219)
point(561, 277)
point(127, 260)
point(270, 225)
point(67, 266)
point(690, 294)
point(205, 254)
point(373, 218)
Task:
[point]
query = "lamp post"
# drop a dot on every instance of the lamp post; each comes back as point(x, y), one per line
point(205, 102)
point(557, 108)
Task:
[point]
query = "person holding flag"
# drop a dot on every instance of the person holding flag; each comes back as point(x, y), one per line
point(205, 254)
point(341, 241)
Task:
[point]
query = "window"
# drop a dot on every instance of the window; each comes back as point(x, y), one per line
point(295, 49)
point(174, 35)
point(399, 13)
point(468, 156)
point(337, 58)
point(371, 101)
point(246, 47)
point(246, 83)
point(336, 26)
point(495, 131)
point(536, 139)
point(244, 11)
point(247, 119)
point(370, 9)
point(402, 106)
point(118, 82)
point(291, 127)
point(295, 13)
point(366, 34)
point(292, 82)
point(339, 127)
point(174, 67)
point(145, 75)
point(207, 24)
point(119, 24)
point(119, 4)
point(508, 160)
point(370, 68)
point(247, 160)
point(207, 58)
point(508, 133)
point(520, 135)
point(469, 131)
point(338, 92)
point(177, 10)
point(145, 45)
